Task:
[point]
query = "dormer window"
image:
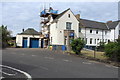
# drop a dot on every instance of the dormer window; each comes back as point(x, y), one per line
point(69, 15)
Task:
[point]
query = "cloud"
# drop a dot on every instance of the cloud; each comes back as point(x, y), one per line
point(19, 15)
point(60, 0)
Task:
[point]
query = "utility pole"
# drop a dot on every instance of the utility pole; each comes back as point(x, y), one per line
point(95, 52)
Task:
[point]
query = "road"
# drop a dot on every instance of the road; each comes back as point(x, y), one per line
point(43, 63)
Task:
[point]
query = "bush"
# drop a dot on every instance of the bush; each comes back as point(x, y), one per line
point(77, 45)
point(112, 50)
point(101, 47)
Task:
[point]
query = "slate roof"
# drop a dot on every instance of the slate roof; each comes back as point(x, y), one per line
point(89, 23)
point(112, 25)
point(30, 31)
point(54, 16)
point(59, 15)
point(92, 24)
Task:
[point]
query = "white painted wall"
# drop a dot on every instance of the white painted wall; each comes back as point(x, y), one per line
point(19, 39)
point(53, 34)
point(57, 29)
point(101, 36)
point(117, 31)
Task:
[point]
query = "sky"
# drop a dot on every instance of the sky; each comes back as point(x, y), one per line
point(19, 15)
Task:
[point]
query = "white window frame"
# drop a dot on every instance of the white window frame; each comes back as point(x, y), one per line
point(68, 25)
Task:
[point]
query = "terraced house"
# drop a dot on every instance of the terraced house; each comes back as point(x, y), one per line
point(58, 29)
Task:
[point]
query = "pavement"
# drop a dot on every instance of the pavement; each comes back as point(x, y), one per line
point(43, 63)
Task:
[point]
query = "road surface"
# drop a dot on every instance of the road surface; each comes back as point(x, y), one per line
point(43, 63)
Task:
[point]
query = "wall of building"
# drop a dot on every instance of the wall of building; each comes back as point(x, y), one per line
point(57, 29)
point(85, 33)
point(19, 39)
point(117, 31)
point(53, 34)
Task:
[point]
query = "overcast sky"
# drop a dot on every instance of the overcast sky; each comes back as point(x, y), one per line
point(19, 15)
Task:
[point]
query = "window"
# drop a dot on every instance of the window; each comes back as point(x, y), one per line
point(106, 40)
point(90, 40)
point(68, 25)
point(79, 29)
point(95, 41)
point(90, 31)
point(96, 31)
point(69, 15)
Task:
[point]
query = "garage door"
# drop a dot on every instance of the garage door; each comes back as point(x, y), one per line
point(34, 43)
point(24, 44)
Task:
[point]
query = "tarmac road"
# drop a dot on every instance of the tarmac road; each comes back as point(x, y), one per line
point(43, 63)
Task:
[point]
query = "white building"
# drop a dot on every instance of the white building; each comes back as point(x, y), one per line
point(61, 27)
point(28, 39)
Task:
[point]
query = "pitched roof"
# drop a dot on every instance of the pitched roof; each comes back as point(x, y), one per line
point(54, 15)
point(89, 23)
point(30, 31)
point(112, 25)
point(92, 24)
point(62, 13)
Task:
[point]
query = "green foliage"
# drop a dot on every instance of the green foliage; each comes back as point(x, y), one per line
point(101, 47)
point(77, 45)
point(5, 35)
point(112, 50)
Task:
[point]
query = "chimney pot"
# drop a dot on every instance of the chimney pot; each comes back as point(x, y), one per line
point(77, 16)
point(109, 21)
point(23, 30)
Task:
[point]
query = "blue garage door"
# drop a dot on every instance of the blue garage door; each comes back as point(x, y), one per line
point(34, 43)
point(24, 44)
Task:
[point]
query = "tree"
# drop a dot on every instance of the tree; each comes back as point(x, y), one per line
point(77, 45)
point(112, 50)
point(5, 35)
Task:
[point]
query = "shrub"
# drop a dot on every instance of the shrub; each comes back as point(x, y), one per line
point(112, 50)
point(101, 47)
point(77, 45)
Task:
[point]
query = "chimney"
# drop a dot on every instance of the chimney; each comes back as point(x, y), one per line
point(23, 29)
point(109, 21)
point(77, 16)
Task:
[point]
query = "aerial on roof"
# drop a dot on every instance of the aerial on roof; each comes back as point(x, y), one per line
point(30, 31)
